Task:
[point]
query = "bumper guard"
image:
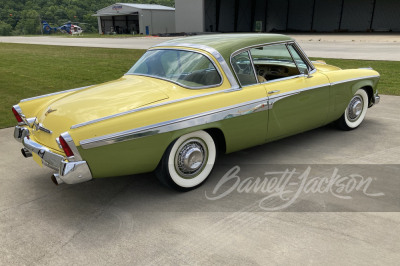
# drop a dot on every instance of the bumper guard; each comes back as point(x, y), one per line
point(69, 172)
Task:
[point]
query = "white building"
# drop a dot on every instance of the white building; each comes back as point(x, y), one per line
point(131, 18)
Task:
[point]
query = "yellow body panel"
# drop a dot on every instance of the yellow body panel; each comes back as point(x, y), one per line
point(37, 159)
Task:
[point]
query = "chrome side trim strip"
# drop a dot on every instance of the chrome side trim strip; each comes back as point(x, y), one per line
point(354, 79)
point(212, 51)
point(149, 107)
point(207, 94)
point(180, 123)
point(245, 108)
point(54, 93)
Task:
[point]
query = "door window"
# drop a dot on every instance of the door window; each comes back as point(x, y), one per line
point(297, 58)
point(243, 67)
point(273, 62)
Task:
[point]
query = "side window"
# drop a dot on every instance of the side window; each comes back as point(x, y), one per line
point(299, 61)
point(273, 62)
point(241, 63)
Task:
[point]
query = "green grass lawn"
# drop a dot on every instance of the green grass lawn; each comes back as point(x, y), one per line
point(30, 70)
point(95, 35)
point(390, 79)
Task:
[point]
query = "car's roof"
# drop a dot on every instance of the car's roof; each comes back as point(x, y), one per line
point(226, 44)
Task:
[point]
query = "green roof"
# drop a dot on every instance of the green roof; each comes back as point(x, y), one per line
point(226, 44)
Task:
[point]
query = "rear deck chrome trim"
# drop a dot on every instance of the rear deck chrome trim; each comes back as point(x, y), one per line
point(149, 107)
point(52, 94)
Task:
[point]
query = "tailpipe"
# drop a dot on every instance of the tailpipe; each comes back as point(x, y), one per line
point(26, 153)
point(56, 179)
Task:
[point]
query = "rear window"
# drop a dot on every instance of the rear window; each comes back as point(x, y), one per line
point(186, 68)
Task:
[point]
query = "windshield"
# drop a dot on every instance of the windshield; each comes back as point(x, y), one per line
point(186, 68)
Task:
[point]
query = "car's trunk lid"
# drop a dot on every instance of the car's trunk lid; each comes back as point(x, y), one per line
point(96, 102)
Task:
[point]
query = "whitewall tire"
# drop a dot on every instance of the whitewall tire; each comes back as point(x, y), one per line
point(355, 111)
point(188, 161)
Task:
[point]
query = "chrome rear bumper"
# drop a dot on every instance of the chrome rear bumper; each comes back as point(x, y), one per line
point(69, 172)
point(377, 98)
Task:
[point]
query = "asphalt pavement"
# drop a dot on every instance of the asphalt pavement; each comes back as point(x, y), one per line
point(134, 220)
point(346, 46)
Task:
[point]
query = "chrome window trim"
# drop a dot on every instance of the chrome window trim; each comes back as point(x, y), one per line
point(52, 94)
point(258, 45)
point(151, 106)
point(305, 57)
point(286, 43)
point(213, 52)
point(178, 83)
point(253, 67)
point(236, 75)
point(294, 61)
point(283, 79)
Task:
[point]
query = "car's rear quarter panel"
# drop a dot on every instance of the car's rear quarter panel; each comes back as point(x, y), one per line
point(143, 154)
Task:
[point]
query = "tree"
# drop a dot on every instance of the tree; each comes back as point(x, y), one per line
point(5, 29)
point(29, 23)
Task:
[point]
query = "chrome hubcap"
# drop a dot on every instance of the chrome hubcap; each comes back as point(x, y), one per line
point(355, 108)
point(190, 158)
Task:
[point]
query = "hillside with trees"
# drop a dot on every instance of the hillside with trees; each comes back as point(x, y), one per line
point(23, 17)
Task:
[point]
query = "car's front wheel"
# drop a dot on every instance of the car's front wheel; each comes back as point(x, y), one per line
point(188, 161)
point(355, 111)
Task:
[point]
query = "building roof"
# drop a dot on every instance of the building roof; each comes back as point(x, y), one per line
point(226, 44)
point(119, 9)
point(147, 6)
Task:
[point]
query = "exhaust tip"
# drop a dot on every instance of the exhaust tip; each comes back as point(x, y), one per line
point(26, 153)
point(56, 179)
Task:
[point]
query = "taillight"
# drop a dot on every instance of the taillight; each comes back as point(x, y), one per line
point(65, 147)
point(17, 115)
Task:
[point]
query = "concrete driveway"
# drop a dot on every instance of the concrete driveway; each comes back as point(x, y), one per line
point(347, 46)
point(134, 220)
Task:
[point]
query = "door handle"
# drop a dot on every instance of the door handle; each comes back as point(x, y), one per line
point(270, 92)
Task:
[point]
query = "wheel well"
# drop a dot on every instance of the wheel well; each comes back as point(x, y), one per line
point(370, 93)
point(218, 137)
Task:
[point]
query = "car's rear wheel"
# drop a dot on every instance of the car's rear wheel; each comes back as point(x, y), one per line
point(355, 111)
point(188, 161)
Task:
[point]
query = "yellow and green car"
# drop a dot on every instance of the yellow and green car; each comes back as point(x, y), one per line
point(186, 100)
